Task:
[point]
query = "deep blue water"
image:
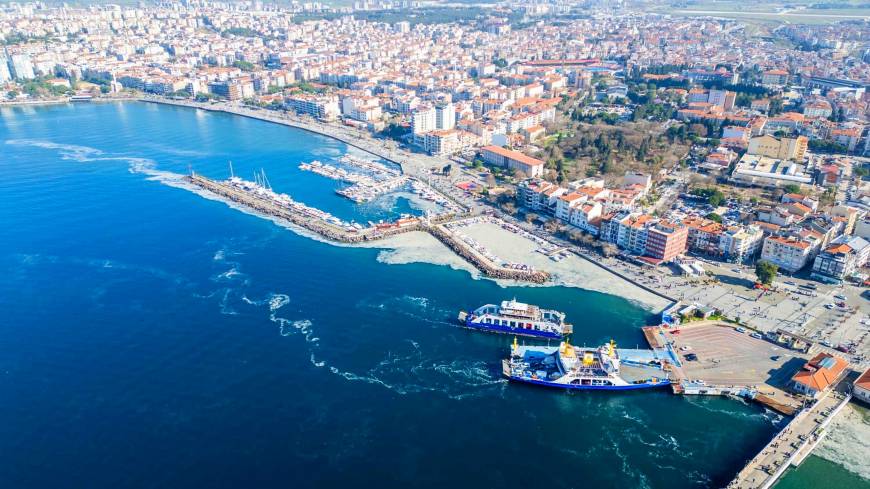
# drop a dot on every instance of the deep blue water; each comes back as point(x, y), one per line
point(153, 338)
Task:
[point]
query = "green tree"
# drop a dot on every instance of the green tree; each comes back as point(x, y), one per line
point(714, 217)
point(244, 65)
point(766, 272)
point(792, 188)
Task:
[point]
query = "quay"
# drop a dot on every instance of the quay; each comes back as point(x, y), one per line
point(735, 364)
point(791, 445)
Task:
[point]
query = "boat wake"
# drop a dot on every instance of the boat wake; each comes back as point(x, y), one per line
point(406, 371)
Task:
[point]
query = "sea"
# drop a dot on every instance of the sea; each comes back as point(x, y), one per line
point(152, 337)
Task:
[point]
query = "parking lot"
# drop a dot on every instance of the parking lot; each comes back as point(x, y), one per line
point(726, 357)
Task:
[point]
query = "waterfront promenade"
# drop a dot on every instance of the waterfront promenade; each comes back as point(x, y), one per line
point(412, 164)
point(791, 445)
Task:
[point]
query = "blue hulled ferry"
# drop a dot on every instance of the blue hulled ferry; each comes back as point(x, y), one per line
point(517, 318)
point(570, 367)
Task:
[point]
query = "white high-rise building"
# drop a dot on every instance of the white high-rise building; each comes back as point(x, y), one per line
point(445, 116)
point(423, 120)
point(5, 76)
point(22, 68)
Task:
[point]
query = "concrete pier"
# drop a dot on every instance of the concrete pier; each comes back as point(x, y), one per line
point(791, 445)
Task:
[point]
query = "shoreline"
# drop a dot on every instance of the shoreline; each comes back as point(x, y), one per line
point(251, 114)
point(65, 100)
point(222, 108)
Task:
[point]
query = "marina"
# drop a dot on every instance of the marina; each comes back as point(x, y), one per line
point(257, 196)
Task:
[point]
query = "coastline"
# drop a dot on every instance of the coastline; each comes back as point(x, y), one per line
point(64, 100)
point(285, 121)
point(393, 252)
point(654, 305)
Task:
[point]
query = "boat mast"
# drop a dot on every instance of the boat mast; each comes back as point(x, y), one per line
point(231, 168)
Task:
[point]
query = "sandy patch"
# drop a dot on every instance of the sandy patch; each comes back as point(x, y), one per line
point(572, 271)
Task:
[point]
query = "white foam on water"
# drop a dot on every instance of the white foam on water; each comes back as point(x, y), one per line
point(224, 304)
point(848, 440)
point(277, 301)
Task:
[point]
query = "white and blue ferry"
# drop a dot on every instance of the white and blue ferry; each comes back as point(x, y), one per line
point(517, 318)
point(570, 367)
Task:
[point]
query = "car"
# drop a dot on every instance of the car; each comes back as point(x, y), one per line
point(757, 336)
point(827, 343)
point(685, 348)
point(740, 329)
point(691, 357)
point(790, 282)
point(775, 358)
point(840, 297)
point(829, 306)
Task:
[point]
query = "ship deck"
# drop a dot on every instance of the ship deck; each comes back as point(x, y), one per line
point(634, 373)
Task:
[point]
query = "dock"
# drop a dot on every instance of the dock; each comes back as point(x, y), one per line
point(791, 445)
point(735, 364)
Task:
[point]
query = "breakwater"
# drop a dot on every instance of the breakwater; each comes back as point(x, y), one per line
point(489, 268)
point(322, 227)
point(349, 234)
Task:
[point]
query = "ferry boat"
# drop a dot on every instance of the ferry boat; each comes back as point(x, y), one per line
point(517, 318)
point(571, 367)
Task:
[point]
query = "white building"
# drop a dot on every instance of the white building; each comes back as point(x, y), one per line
point(788, 253)
point(423, 120)
point(323, 107)
point(22, 68)
point(586, 215)
point(841, 259)
point(445, 116)
point(5, 75)
point(740, 244)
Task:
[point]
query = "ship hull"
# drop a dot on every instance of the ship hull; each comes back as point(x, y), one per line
point(493, 328)
point(630, 387)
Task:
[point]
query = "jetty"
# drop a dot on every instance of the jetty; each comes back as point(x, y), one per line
point(792, 444)
point(303, 216)
point(261, 199)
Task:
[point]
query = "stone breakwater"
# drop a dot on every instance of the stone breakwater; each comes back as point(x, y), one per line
point(337, 233)
point(323, 228)
point(489, 268)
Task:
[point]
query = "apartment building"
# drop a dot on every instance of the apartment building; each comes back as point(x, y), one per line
point(703, 236)
point(776, 78)
point(788, 253)
point(740, 244)
point(666, 240)
point(324, 107)
point(841, 259)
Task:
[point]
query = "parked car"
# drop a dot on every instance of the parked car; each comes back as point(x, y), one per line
point(756, 336)
point(740, 329)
